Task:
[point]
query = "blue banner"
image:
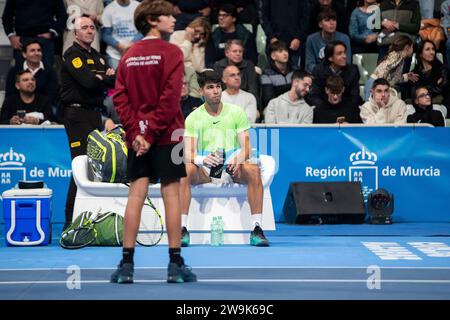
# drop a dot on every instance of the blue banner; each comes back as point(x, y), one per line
point(36, 153)
point(411, 162)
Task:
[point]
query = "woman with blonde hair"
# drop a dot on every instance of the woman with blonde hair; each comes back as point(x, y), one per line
point(192, 41)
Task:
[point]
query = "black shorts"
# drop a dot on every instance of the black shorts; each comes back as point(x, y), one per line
point(156, 164)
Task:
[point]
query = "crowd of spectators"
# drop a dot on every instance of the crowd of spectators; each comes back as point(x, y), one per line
point(305, 74)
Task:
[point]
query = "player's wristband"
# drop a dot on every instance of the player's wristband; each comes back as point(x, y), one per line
point(199, 160)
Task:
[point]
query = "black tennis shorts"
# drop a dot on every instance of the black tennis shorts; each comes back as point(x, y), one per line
point(156, 164)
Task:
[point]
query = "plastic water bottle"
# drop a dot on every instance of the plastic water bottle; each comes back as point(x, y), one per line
point(220, 235)
point(214, 232)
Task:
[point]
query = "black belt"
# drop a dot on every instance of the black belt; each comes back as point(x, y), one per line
point(85, 106)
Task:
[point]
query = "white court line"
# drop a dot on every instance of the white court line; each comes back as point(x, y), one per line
point(235, 267)
point(239, 281)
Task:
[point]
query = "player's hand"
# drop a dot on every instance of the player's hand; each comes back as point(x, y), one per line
point(212, 160)
point(233, 166)
point(189, 34)
point(140, 145)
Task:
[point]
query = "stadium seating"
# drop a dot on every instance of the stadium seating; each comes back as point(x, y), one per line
point(208, 200)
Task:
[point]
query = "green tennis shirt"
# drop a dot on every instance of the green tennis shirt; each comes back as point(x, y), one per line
point(216, 132)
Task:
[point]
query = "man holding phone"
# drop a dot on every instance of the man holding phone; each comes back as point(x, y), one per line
point(210, 128)
point(26, 107)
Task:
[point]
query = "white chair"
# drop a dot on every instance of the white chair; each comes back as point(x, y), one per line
point(208, 200)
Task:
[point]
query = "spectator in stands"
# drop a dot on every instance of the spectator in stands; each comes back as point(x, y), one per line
point(287, 21)
point(291, 106)
point(76, 8)
point(192, 41)
point(247, 11)
point(316, 42)
point(424, 112)
point(234, 51)
point(362, 28)
point(276, 79)
point(398, 18)
point(187, 10)
point(429, 72)
point(392, 65)
point(231, 134)
point(118, 30)
point(335, 63)
point(335, 5)
point(26, 106)
point(234, 95)
point(336, 109)
point(384, 105)
point(45, 77)
point(228, 29)
point(445, 23)
point(43, 20)
point(188, 103)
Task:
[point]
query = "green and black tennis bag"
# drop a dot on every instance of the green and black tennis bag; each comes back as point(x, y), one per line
point(108, 229)
point(107, 156)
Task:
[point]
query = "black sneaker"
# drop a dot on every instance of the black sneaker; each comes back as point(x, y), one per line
point(257, 238)
point(123, 274)
point(185, 238)
point(176, 274)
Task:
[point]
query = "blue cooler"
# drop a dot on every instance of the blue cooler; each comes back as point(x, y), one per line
point(27, 214)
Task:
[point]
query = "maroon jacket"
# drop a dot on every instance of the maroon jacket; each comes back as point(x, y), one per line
point(148, 90)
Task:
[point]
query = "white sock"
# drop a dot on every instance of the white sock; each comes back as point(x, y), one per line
point(257, 219)
point(184, 218)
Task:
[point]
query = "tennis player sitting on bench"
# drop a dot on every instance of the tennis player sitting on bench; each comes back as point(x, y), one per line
point(219, 126)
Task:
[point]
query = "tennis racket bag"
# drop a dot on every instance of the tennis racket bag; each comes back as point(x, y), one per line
point(107, 156)
point(108, 230)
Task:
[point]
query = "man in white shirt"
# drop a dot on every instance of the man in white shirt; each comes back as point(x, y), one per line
point(118, 29)
point(234, 95)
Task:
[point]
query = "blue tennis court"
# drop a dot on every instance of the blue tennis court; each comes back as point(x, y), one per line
point(400, 261)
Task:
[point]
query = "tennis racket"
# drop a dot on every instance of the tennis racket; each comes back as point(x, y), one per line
point(81, 236)
point(151, 227)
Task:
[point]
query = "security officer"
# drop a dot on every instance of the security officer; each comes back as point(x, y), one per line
point(85, 79)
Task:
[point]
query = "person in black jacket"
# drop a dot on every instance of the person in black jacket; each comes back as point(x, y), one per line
point(336, 109)
point(424, 109)
point(287, 21)
point(25, 20)
point(429, 72)
point(335, 63)
point(85, 79)
point(46, 79)
point(26, 106)
point(277, 78)
point(247, 11)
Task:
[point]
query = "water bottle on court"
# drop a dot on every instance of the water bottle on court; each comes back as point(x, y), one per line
point(214, 232)
point(220, 235)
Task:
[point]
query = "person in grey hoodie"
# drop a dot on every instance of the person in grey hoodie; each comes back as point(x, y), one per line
point(384, 105)
point(290, 107)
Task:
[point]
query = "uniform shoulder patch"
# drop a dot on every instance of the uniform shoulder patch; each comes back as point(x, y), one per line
point(77, 63)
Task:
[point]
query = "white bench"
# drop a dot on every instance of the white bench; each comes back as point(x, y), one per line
point(208, 200)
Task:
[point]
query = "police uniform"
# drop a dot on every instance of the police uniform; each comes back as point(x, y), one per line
point(82, 95)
